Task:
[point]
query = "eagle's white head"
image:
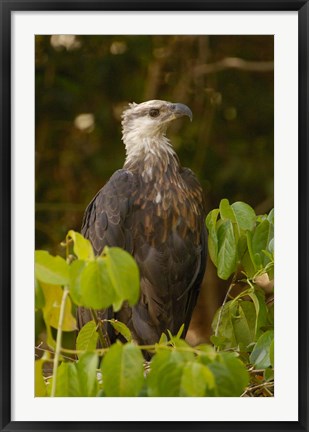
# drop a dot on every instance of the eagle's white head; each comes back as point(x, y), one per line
point(144, 127)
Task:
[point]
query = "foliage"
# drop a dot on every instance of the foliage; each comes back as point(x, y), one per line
point(239, 360)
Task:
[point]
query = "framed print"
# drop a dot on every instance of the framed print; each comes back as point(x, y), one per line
point(89, 90)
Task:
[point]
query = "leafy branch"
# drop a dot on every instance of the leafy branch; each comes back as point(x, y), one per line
point(240, 360)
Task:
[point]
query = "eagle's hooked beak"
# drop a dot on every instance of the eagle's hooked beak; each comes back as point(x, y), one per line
point(179, 110)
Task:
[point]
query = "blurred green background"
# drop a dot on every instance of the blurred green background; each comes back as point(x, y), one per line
point(84, 82)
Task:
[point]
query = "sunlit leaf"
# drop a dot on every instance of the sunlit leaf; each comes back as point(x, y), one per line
point(67, 384)
point(124, 275)
point(121, 328)
point(87, 374)
point(39, 295)
point(53, 296)
point(244, 324)
point(245, 215)
point(52, 270)
point(164, 378)
point(227, 250)
point(40, 386)
point(231, 375)
point(87, 337)
point(196, 379)
point(211, 221)
point(82, 247)
point(123, 370)
point(96, 288)
point(260, 356)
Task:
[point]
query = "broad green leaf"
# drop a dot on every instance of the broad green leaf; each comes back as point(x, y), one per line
point(196, 379)
point(226, 211)
point(261, 238)
point(218, 341)
point(211, 222)
point(67, 380)
point(40, 386)
point(164, 378)
point(258, 298)
point(271, 246)
point(186, 353)
point(231, 375)
point(123, 370)
point(87, 374)
point(121, 328)
point(53, 296)
point(244, 215)
point(52, 270)
point(269, 374)
point(271, 216)
point(39, 295)
point(225, 330)
point(207, 353)
point(227, 250)
point(76, 270)
point(260, 356)
point(244, 324)
point(87, 337)
point(96, 288)
point(272, 353)
point(82, 247)
point(124, 274)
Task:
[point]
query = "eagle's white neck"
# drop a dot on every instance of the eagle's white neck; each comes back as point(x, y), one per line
point(152, 155)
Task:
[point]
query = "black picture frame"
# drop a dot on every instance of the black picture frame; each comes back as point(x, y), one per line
point(6, 8)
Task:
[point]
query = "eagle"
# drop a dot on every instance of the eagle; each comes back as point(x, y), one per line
point(154, 209)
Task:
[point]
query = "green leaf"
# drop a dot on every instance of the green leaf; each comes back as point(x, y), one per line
point(76, 270)
point(227, 250)
point(164, 378)
point(244, 215)
point(51, 310)
point(52, 270)
point(87, 374)
point(211, 221)
point(196, 379)
point(261, 238)
point(123, 370)
point(260, 356)
point(225, 331)
point(269, 374)
point(96, 288)
point(244, 324)
point(226, 211)
point(82, 247)
point(163, 339)
point(271, 217)
point(258, 298)
point(87, 337)
point(272, 353)
point(231, 375)
point(180, 331)
point(122, 329)
point(67, 380)
point(39, 295)
point(124, 274)
point(40, 386)
point(207, 353)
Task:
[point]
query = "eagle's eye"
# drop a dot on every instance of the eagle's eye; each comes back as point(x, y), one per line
point(154, 112)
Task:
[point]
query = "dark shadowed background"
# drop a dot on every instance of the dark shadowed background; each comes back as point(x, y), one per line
point(84, 82)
